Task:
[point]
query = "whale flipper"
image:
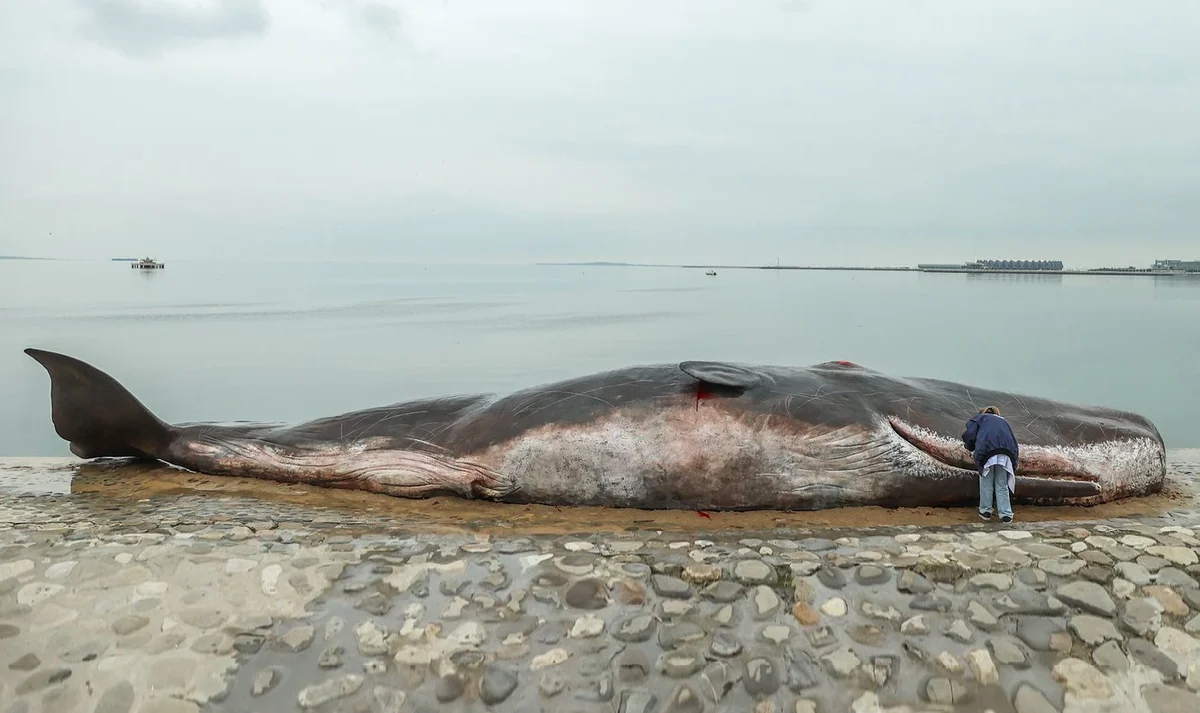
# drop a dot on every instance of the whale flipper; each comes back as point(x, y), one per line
point(98, 416)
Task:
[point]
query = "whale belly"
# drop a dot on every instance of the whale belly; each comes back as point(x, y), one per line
point(684, 457)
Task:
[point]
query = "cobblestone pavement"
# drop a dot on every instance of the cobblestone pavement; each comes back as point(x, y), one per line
point(195, 603)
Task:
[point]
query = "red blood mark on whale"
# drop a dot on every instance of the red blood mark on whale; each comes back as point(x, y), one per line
point(843, 362)
point(701, 393)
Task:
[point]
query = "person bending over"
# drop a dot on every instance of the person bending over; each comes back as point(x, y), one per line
point(996, 452)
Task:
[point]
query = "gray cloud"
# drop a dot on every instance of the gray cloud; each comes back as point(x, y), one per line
point(150, 27)
point(679, 130)
point(381, 17)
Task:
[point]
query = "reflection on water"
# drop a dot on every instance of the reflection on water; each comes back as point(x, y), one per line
point(1016, 277)
point(1180, 287)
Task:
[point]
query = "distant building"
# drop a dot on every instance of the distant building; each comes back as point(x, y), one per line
point(1177, 265)
point(1049, 265)
point(1039, 265)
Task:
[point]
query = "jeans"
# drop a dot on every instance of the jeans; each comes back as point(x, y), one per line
point(994, 482)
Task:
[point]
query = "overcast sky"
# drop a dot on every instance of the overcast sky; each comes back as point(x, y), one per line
point(812, 131)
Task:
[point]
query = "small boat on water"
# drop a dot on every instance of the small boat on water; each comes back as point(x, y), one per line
point(711, 273)
point(148, 264)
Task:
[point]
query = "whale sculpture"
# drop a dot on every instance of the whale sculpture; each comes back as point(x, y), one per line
point(694, 435)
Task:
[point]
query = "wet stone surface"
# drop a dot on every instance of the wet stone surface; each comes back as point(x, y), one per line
point(234, 609)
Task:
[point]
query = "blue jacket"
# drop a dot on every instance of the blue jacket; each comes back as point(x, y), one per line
point(988, 434)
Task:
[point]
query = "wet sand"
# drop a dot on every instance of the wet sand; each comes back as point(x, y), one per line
point(123, 482)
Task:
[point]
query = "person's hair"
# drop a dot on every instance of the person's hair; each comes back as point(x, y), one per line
point(990, 409)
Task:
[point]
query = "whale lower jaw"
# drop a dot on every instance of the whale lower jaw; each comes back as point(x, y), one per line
point(1087, 474)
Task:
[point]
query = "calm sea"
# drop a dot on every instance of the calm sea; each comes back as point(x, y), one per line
point(287, 342)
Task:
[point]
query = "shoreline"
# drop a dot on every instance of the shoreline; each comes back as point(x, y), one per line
point(118, 484)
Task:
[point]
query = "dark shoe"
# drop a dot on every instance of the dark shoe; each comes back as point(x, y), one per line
point(985, 516)
point(1006, 518)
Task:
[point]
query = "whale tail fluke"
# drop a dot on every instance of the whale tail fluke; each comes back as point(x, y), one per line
point(98, 416)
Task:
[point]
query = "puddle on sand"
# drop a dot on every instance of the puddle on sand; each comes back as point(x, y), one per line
point(119, 481)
